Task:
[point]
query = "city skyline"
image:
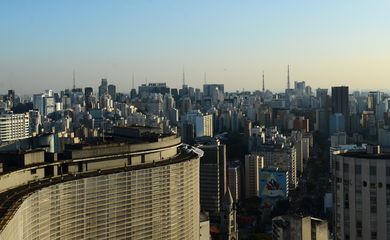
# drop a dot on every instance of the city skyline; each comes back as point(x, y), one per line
point(326, 44)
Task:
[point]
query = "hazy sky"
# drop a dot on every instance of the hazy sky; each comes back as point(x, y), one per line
point(326, 43)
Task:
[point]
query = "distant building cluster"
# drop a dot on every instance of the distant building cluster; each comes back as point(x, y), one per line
point(227, 149)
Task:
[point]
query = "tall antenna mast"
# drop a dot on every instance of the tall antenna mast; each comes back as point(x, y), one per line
point(288, 76)
point(204, 78)
point(74, 79)
point(132, 81)
point(263, 82)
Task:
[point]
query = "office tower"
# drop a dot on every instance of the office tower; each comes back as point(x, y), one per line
point(34, 122)
point(133, 93)
point(44, 103)
point(361, 194)
point(299, 88)
point(234, 182)
point(169, 102)
point(186, 105)
point(155, 104)
point(213, 179)
point(373, 99)
point(322, 97)
point(301, 124)
point(48, 105)
point(203, 123)
point(173, 116)
point(146, 188)
point(145, 89)
point(229, 218)
point(187, 133)
point(308, 91)
point(294, 227)
point(112, 91)
point(103, 88)
point(11, 97)
point(14, 126)
point(302, 145)
point(340, 100)
point(213, 92)
point(88, 91)
point(337, 123)
point(322, 121)
point(38, 102)
point(253, 162)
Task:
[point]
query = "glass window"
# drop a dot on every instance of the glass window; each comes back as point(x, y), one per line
point(372, 170)
point(358, 169)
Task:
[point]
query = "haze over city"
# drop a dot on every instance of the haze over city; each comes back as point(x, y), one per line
point(325, 42)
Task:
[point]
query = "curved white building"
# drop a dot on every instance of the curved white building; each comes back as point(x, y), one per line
point(143, 191)
point(361, 192)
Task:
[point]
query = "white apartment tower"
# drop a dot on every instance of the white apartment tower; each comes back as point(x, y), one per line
point(14, 126)
point(253, 163)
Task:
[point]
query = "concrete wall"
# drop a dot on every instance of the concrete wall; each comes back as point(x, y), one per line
point(35, 157)
point(21, 177)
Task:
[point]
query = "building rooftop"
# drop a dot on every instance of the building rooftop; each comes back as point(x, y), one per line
point(101, 158)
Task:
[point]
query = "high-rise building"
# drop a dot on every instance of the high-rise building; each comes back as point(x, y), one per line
point(116, 189)
point(284, 158)
point(340, 105)
point(361, 194)
point(253, 162)
point(299, 88)
point(337, 123)
point(103, 88)
point(35, 122)
point(14, 126)
point(322, 97)
point(145, 89)
point(340, 100)
point(213, 179)
point(88, 92)
point(213, 92)
point(293, 227)
point(373, 99)
point(11, 97)
point(111, 89)
point(203, 123)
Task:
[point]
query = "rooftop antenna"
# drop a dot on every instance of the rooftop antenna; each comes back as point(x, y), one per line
point(263, 81)
point(132, 81)
point(288, 76)
point(74, 79)
point(204, 78)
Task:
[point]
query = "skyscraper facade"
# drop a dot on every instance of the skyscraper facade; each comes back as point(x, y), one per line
point(213, 179)
point(340, 101)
